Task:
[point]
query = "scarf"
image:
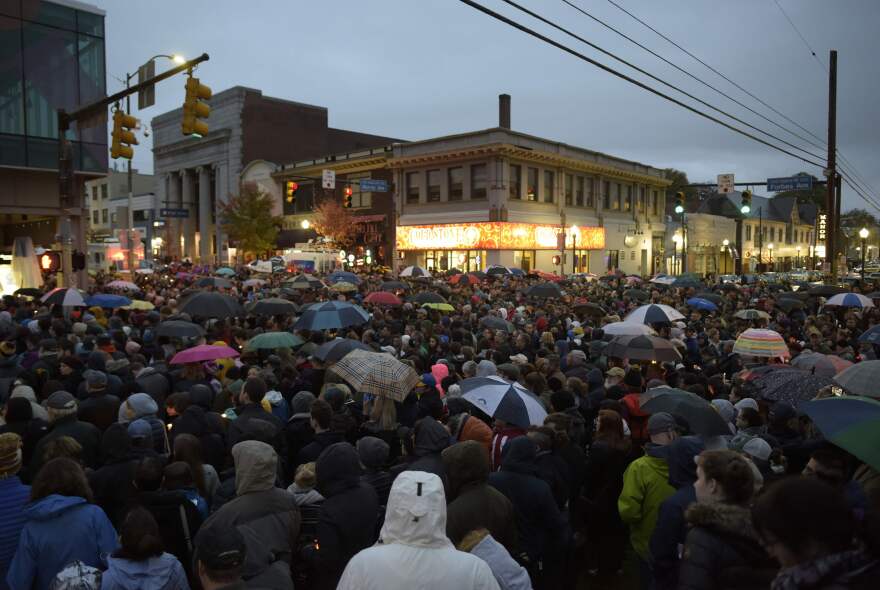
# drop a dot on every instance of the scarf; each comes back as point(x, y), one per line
point(822, 571)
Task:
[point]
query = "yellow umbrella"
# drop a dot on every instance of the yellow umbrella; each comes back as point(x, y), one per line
point(140, 305)
point(344, 287)
point(439, 306)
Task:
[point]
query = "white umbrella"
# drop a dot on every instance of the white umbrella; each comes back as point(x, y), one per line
point(628, 329)
point(653, 313)
point(510, 402)
point(144, 271)
point(64, 297)
point(415, 272)
point(126, 285)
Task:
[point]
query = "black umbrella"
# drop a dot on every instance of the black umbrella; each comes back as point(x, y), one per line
point(496, 323)
point(728, 287)
point(827, 290)
point(547, 290)
point(713, 297)
point(497, 270)
point(394, 286)
point(638, 294)
point(303, 282)
point(799, 295)
point(793, 386)
point(701, 417)
point(215, 282)
point(591, 309)
point(273, 306)
point(180, 329)
point(428, 297)
point(642, 348)
point(332, 351)
point(210, 304)
point(28, 292)
point(787, 304)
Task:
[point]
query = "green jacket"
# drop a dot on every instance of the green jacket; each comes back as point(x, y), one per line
point(645, 486)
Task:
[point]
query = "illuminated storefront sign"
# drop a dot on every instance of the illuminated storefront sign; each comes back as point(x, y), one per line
point(823, 226)
point(495, 235)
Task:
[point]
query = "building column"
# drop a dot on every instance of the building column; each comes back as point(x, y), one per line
point(222, 190)
point(189, 223)
point(173, 225)
point(204, 173)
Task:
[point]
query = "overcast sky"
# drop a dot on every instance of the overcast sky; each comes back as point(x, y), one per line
point(417, 69)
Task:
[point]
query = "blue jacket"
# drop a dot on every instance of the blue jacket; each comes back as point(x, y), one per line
point(14, 496)
point(59, 530)
point(156, 573)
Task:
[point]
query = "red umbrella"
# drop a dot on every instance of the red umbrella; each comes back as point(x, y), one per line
point(383, 298)
point(548, 276)
point(467, 278)
point(202, 353)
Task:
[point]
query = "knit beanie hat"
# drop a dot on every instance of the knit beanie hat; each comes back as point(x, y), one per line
point(10, 454)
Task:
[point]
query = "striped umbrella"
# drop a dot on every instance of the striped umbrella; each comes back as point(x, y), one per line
point(415, 272)
point(850, 300)
point(331, 315)
point(850, 422)
point(763, 343)
point(861, 379)
point(510, 402)
point(378, 373)
point(751, 314)
point(642, 348)
point(63, 296)
point(655, 313)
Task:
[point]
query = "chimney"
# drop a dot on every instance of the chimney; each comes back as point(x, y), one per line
point(504, 111)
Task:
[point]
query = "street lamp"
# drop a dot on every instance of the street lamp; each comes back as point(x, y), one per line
point(863, 233)
point(676, 240)
point(574, 237)
point(770, 248)
point(305, 224)
point(725, 245)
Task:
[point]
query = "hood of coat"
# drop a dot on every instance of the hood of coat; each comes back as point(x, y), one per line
point(416, 512)
point(509, 574)
point(116, 443)
point(138, 405)
point(302, 402)
point(595, 379)
point(430, 437)
point(466, 463)
point(680, 458)
point(52, 506)
point(337, 469)
point(255, 466)
point(728, 519)
point(201, 395)
point(150, 574)
point(518, 456)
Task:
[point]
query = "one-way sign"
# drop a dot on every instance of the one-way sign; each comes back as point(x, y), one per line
point(790, 183)
point(179, 213)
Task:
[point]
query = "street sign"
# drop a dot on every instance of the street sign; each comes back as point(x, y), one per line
point(147, 95)
point(328, 179)
point(177, 213)
point(725, 183)
point(369, 185)
point(790, 183)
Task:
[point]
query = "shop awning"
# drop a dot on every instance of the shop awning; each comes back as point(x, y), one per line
point(288, 238)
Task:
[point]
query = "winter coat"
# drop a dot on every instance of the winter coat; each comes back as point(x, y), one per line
point(347, 519)
point(43, 552)
point(269, 423)
point(508, 573)
point(604, 482)
point(465, 427)
point(112, 484)
point(429, 440)
point(156, 573)
point(142, 406)
point(208, 428)
point(722, 550)
point(645, 486)
point(14, 496)
point(99, 409)
point(154, 384)
point(415, 552)
point(266, 516)
point(179, 521)
point(298, 432)
point(541, 527)
point(500, 438)
point(313, 450)
point(472, 502)
point(87, 435)
point(849, 570)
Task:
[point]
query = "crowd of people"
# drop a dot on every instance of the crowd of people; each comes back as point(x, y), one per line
point(121, 468)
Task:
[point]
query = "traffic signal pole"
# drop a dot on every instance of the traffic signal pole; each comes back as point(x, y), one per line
point(831, 203)
point(65, 164)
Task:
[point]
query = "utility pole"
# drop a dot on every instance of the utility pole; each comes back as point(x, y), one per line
point(130, 221)
point(831, 171)
point(684, 243)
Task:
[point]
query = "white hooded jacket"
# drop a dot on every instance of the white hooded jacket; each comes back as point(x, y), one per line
point(413, 551)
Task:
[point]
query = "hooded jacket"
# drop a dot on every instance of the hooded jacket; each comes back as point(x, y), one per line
point(414, 552)
point(27, 393)
point(163, 572)
point(347, 519)
point(154, 384)
point(429, 440)
point(473, 503)
point(112, 483)
point(722, 550)
point(14, 496)
point(87, 435)
point(141, 405)
point(298, 430)
point(508, 573)
point(43, 552)
point(266, 516)
point(540, 525)
point(645, 486)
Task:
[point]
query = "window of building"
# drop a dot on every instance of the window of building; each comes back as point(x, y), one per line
point(532, 184)
point(748, 233)
point(615, 197)
point(94, 193)
point(479, 181)
point(613, 259)
point(412, 188)
point(113, 218)
point(606, 195)
point(641, 199)
point(433, 186)
point(655, 203)
point(95, 214)
point(515, 181)
point(579, 191)
point(588, 187)
point(569, 190)
point(139, 215)
point(359, 199)
point(628, 199)
point(103, 191)
point(104, 216)
point(549, 192)
point(456, 183)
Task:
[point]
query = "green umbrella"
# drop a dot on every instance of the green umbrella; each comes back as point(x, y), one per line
point(850, 422)
point(224, 271)
point(274, 340)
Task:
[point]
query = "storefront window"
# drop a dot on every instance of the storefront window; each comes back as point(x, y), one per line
point(613, 259)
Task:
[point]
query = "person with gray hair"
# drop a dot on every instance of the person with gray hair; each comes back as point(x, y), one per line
point(62, 409)
point(469, 369)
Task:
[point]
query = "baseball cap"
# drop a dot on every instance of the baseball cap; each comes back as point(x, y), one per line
point(758, 448)
point(661, 422)
point(140, 428)
point(61, 400)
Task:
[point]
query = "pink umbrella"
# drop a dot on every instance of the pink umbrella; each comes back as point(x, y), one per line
point(204, 352)
point(383, 298)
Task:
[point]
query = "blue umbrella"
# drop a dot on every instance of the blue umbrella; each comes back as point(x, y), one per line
point(224, 271)
point(108, 301)
point(331, 315)
point(343, 275)
point(518, 272)
point(700, 303)
point(872, 335)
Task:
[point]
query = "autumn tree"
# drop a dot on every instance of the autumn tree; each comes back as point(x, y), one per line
point(249, 221)
point(334, 222)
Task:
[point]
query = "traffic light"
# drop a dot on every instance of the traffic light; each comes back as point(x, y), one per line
point(746, 202)
point(290, 188)
point(123, 135)
point(679, 202)
point(50, 261)
point(194, 110)
point(346, 201)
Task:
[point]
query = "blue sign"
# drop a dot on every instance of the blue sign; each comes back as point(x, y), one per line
point(178, 213)
point(374, 186)
point(791, 183)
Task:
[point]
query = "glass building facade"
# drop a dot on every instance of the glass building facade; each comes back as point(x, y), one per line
point(51, 57)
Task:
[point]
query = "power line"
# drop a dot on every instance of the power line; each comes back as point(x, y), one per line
point(868, 200)
point(709, 67)
point(799, 34)
point(629, 79)
point(655, 78)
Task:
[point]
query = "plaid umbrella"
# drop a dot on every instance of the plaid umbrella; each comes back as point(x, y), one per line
point(272, 340)
point(210, 304)
point(331, 315)
point(377, 373)
point(65, 297)
point(850, 422)
point(850, 300)
point(826, 365)
point(415, 272)
point(752, 314)
point(861, 379)
point(642, 348)
point(332, 351)
point(764, 343)
point(383, 298)
point(303, 282)
point(273, 306)
point(795, 386)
